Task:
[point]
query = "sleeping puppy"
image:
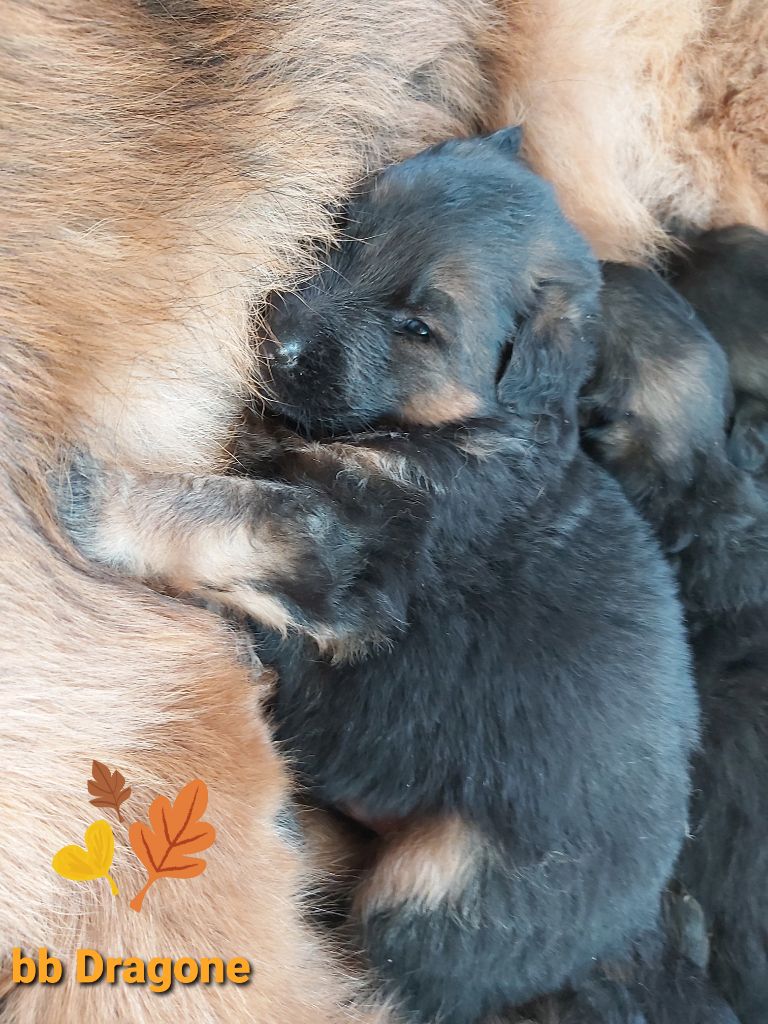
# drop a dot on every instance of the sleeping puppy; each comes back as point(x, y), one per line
point(657, 406)
point(521, 742)
point(724, 275)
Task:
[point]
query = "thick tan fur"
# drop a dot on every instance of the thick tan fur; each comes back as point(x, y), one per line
point(643, 112)
point(163, 164)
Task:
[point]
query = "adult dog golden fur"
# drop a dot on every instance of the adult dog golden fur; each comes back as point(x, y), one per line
point(163, 163)
point(644, 112)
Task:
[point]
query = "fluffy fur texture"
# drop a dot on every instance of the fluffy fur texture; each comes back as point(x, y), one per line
point(724, 275)
point(644, 112)
point(671, 990)
point(529, 725)
point(162, 164)
point(664, 435)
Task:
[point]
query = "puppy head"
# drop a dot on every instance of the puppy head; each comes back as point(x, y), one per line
point(660, 393)
point(654, 413)
point(458, 290)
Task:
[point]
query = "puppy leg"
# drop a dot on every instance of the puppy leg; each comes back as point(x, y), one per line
point(274, 551)
point(383, 495)
point(454, 932)
point(460, 927)
point(423, 926)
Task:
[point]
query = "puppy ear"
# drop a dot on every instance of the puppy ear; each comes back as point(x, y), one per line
point(507, 140)
point(553, 350)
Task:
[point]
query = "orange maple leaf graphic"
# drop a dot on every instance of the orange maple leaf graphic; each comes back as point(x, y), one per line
point(175, 831)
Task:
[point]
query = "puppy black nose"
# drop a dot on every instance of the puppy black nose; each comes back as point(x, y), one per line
point(287, 354)
point(289, 332)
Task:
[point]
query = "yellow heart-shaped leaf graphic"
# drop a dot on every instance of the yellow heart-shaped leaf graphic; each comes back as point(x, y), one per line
point(100, 844)
point(83, 865)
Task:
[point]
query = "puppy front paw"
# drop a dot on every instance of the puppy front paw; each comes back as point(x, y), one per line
point(305, 555)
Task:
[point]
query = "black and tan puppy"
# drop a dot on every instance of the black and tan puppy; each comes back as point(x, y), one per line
point(724, 275)
point(525, 734)
point(659, 410)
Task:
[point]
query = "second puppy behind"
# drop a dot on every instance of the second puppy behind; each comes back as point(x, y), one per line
point(657, 409)
point(525, 733)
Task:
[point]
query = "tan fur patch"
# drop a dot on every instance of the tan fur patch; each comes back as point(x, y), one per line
point(264, 608)
point(448, 404)
point(483, 445)
point(429, 863)
point(663, 396)
point(359, 458)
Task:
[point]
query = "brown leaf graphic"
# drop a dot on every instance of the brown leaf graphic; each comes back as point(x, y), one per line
point(108, 789)
point(174, 832)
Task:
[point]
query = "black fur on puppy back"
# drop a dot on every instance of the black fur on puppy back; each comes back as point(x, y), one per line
point(537, 699)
